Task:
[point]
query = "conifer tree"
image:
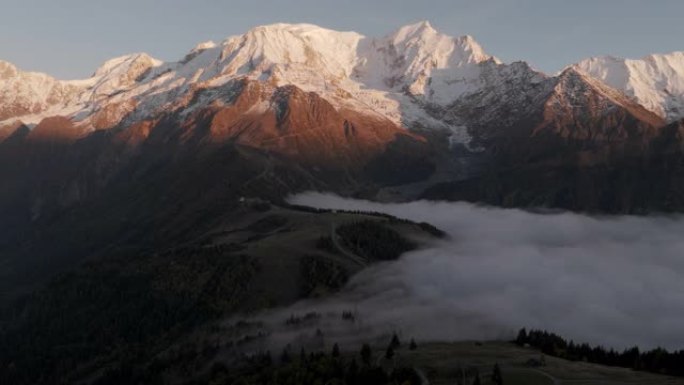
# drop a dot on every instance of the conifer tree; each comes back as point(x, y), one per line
point(352, 372)
point(366, 354)
point(395, 341)
point(477, 381)
point(389, 354)
point(413, 345)
point(497, 379)
point(522, 337)
point(285, 357)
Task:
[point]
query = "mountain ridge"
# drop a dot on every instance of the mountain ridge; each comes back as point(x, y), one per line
point(440, 106)
point(414, 76)
point(367, 74)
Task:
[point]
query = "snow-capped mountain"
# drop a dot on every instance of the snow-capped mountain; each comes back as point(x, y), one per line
point(415, 76)
point(393, 77)
point(30, 97)
point(655, 81)
point(26, 93)
point(418, 60)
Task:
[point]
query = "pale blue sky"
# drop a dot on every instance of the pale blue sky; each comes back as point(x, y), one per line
point(70, 38)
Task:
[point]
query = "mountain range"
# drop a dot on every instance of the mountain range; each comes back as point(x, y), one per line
point(162, 186)
point(396, 77)
point(144, 145)
point(328, 98)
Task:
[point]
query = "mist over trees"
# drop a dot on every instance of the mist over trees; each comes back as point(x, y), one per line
point(655, 360)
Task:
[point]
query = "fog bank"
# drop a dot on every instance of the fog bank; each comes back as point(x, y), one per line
point(617, 281)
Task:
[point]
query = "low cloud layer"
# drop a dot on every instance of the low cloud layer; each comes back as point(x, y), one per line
point(617, 281)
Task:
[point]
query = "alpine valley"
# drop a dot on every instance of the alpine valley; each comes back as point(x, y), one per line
point(110, 183)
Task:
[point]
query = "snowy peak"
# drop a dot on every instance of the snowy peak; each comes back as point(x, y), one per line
point(421, 61)
point(580, 85)
point(279, 46)
point(32, 96)
point(26, 93)
point(374, 75)
point(655, 81)
point(377, 75)
point(418, 29)
point(422, 41)
point(121, 73)
point(414, 36)
point(7, 70)
point(124, 64)
point(316, 58)
point(201, 47)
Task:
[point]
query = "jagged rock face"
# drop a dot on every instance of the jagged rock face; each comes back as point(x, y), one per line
point(581, 109)
point(572, 106)
point(509, 94)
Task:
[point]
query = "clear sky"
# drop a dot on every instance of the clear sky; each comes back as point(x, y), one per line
point(70, 38)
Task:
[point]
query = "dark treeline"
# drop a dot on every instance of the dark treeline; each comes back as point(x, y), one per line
point(314, 368)
point(320, 276)
point(657, 360)
point(195, 365)
point(374, 241)
point(431, 229)
point(316, 210)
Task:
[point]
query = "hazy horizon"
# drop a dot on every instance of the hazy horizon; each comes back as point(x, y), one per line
point(70, 39)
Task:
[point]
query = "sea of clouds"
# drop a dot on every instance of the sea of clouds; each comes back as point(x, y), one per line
point(616, 281)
